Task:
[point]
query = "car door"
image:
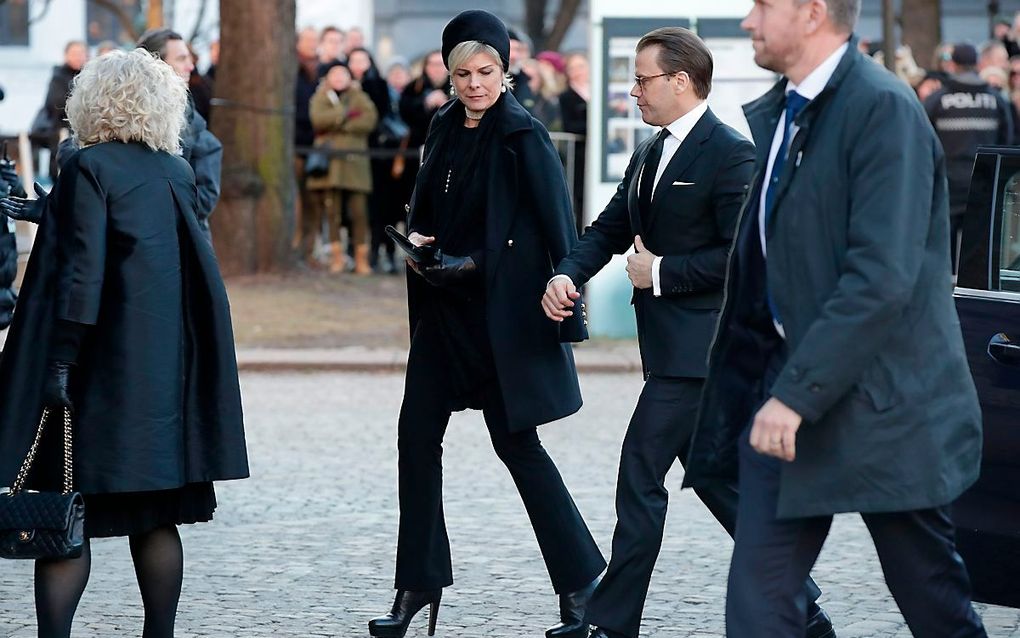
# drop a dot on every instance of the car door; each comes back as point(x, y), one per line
point(988, 302)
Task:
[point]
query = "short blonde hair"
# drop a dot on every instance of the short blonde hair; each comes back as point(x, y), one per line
point(128, 97)
point(469, 49)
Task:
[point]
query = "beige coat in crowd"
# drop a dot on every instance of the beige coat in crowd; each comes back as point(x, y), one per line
point(343, 123)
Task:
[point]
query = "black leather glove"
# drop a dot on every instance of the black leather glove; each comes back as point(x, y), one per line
point(55, 387)
point(21, 208)
point(449, 270)
point(9, 176)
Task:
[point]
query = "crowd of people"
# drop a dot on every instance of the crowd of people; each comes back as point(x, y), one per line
point(359, 129)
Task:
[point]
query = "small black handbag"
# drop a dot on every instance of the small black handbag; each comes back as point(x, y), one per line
point(317, 162)
point(48, 525)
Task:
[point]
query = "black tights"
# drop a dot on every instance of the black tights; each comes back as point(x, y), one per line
point(159, 565)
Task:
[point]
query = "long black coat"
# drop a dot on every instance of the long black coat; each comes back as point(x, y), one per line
point(529, 227)
point(691, 224)
point(858, 268)
point(157, 402)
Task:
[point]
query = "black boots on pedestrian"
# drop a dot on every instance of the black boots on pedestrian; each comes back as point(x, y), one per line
point(819, 625)
point(405, 606)
point(572, 608)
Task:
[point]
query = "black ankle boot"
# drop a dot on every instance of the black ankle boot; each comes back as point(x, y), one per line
point(405, 606)
point(572, 608)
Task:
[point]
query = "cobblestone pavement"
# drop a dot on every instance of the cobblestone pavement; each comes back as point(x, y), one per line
point(305, 548)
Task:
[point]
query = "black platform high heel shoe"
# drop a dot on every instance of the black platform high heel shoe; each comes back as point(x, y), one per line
point(405, 606)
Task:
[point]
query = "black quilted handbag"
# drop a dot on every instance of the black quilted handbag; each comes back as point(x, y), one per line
point(46, 525)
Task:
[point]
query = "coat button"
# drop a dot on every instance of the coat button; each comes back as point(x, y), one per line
point(407, 208)
point(795, 373)
point(510, 243)
point(814, 387)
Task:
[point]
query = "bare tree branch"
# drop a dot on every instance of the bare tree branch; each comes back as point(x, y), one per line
point(42, 13)
point(122, 16)
point(564, 18)
point(198, 21)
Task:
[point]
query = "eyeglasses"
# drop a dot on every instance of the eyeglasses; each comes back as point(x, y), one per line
point(640, 81)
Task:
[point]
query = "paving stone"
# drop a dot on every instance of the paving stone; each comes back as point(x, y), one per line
point(306, 546)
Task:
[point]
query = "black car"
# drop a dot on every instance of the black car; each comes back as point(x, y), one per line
point(988, 301)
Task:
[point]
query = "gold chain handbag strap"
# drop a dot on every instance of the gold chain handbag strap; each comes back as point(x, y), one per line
point(19, 482)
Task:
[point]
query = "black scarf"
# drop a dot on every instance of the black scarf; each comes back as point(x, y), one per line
point(459, 181)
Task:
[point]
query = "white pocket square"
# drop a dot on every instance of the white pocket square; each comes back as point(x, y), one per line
point(683, 183)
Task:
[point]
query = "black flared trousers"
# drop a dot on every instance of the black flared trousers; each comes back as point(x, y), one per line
point(423, 548)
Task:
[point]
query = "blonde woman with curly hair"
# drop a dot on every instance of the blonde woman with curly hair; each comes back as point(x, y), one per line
point(123, 320)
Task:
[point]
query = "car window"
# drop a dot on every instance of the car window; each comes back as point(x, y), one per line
point(1009, 253)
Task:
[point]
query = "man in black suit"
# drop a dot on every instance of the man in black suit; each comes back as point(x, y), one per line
point(821, 395)
point(678, 205)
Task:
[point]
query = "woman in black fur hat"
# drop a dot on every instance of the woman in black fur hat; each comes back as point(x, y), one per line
point(491, 196)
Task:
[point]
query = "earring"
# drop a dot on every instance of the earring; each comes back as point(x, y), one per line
point(503, 89)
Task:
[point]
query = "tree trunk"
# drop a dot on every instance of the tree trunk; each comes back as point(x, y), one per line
point(921, 21)
point(253, 117)
point(534, 23)
point(154, 17)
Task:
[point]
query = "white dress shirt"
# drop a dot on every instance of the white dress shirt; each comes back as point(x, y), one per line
point(812, 85)
point(679, 130)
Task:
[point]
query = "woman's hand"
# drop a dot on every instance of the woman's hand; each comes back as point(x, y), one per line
point(418, 240)
point(55, 386)
point(27, 210)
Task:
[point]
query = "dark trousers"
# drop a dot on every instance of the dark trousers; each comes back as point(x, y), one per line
point(772, 557)
point(659, 433)
point(423, 548)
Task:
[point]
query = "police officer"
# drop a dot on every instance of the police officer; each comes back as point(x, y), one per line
point(966, 113)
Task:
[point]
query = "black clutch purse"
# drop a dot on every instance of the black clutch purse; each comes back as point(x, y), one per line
point(48, 525)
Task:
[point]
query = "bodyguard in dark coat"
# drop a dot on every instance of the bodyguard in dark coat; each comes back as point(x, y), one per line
point(492, 197)
point(837, 381)
point(678, 201)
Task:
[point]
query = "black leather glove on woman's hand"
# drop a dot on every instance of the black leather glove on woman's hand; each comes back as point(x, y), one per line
point(55, 387)
point(449, 270)
point(28, 210)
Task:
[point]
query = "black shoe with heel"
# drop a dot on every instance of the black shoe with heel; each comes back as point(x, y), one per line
point(405, 606)
point(572, 608)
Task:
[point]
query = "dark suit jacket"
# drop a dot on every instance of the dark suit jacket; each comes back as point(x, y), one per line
point(529, 226)
point(858, 269)
point(691, 225)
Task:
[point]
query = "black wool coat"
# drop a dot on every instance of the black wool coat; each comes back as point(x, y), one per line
point(859, 271)
point(529, 228)
point(155, 389)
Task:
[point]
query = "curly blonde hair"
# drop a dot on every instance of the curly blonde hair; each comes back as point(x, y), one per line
point(128, 97)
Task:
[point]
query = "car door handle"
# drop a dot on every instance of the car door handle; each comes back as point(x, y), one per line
point(1002, 349)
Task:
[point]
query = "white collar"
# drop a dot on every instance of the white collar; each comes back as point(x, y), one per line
point(815, 82)
point(682, 127)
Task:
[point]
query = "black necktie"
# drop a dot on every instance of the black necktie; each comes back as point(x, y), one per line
point(650, 168)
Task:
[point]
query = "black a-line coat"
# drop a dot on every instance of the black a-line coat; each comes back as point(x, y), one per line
point(155, 389)
point(529, 229)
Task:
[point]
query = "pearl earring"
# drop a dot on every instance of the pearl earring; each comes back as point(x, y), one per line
point(503, 89)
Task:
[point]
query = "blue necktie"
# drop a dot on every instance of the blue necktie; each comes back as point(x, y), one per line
point(795, 103)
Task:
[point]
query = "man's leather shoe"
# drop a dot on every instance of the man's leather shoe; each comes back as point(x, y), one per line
point(604, 633)
point(820, 626)
point(572, 608)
